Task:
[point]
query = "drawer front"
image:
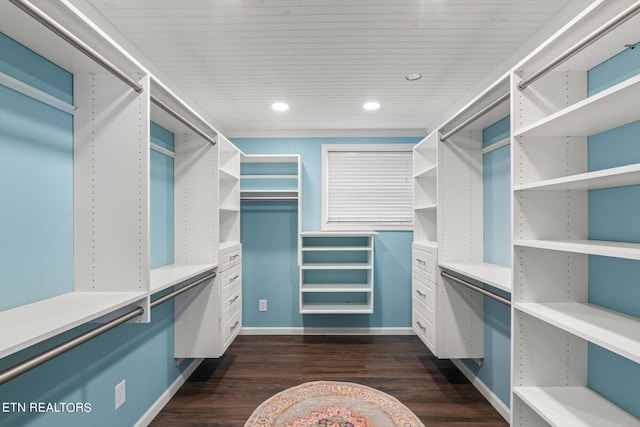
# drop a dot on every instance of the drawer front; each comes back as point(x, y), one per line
point(424, 262)
point(230, 328)
point(230, 278)
point(230, 257)
point(231, 301)
point(424, 329)
point(424, 291)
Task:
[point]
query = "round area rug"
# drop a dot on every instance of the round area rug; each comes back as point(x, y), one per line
point(332, 404)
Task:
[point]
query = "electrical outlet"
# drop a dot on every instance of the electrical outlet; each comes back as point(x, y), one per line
point(262, 305)
point(121, 394)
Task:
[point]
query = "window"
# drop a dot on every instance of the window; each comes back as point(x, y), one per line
point(367, 187)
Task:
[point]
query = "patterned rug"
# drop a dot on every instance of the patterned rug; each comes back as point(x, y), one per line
point(332, 404)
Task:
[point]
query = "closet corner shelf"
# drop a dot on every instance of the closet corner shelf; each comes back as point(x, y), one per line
point(225, 174)
point(574, 406)
point(30, 324)
point(425, 207)
point(589, 247)
point(429, 171)
point(584, 118)
point(174, 274)
point(491, 274)
point(607, 178)
point(617, 332)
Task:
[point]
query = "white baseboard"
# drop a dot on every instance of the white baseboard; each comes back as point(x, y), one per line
point(494, 400)
point(157, 406)
point(326, 331)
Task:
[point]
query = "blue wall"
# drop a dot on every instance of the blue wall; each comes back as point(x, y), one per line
point(36, 214)
point(613, 215)
point(495, 372)
point(269, 237)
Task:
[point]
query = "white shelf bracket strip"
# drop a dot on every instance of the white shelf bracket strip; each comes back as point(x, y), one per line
point(614, 23)
point(74, 41)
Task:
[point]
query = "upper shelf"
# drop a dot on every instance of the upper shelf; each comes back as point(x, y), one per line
point(494, 275)
point(606, 178)
point(613, 107)
point(589, 247)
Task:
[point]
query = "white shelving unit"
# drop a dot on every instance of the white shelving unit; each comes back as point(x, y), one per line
point(336, 272)
point(229, 193)
point(555, 321)
point(425, 189)
point(111, 131)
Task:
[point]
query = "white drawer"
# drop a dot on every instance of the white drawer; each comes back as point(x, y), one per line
point(424, 329)
point(231, 277)
point(424, 263)
point(231, 327)
point(424, 291)
point(231, 300)
point(230, 257)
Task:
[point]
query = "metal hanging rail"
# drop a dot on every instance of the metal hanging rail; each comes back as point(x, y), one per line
point(182, 119)
point(475, 117)
point(477, 288)
point(587, 41)
point(70, 38)
point(40, 359)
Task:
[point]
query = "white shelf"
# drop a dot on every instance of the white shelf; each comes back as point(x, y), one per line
point(270, 158)
point(606, 178)
point(268, 194)
point(228, 245)
point(575, 407)
point(30, 324)
point(335, 266)
point(496, 145)
point(426, 243)
point(225, 174)
point(335, 248)
point(268, 176)
point(608, 109)
point(346, 308)
point(617, 332)
point(336, 287)
point(338, 233)
point(425, 207)
point(228, 209)
point(589, 247)
point(429, 171)
point(491, 274)
point(170, 275)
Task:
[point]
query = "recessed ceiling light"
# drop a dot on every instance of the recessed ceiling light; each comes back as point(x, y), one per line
point(413, 76)
point(279, 106)
point(370, 106)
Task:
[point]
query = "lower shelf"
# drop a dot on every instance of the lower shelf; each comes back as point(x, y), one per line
point(343, 308)
point(30, 324)
point(574, 406)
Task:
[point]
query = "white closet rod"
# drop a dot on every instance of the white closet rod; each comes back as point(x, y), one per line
point(70, 38)
point(477, 288)
point(183, 119)
point(42, 358)
point(587, 41)
point(476, 116)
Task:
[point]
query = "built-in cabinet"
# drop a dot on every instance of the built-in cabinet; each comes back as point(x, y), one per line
point(568, 249)
point(110, 204)
point(336, 272)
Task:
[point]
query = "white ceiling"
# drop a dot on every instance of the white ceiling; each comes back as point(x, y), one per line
point(325, 58)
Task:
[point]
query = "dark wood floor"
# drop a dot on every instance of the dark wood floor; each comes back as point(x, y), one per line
point(225, 391)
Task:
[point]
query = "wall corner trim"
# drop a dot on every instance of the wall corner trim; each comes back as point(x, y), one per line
point(494, 400)
point(165, 397)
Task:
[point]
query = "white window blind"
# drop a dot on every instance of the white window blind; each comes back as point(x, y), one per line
point(369, 189)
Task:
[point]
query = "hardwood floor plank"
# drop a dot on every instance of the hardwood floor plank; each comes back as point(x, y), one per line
point(224, 392)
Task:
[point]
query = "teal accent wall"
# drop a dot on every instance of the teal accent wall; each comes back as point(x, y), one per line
point(36, 262)
point(269, 238)
point(613, 215)
point(36, 182)
point(495, 372)
point(161, 199)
